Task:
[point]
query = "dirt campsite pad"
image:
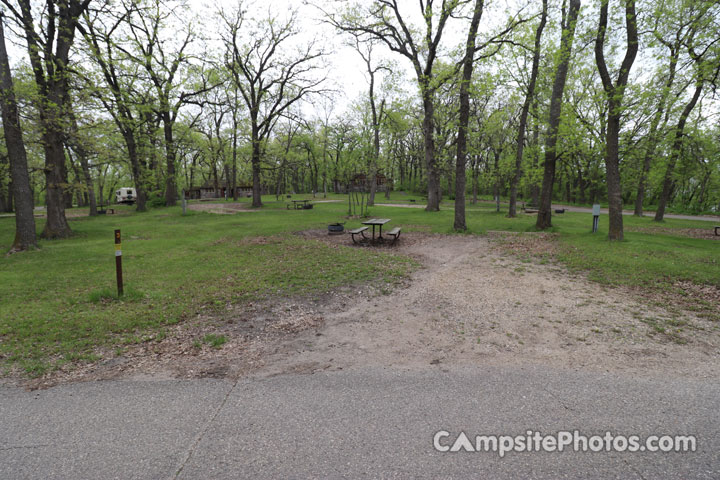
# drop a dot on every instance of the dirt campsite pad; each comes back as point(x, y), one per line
point(221, 208)
point(472, 301)
point(706, 233)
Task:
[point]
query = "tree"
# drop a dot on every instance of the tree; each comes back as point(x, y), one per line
point(464, 120)
point(123, 102)
point(49, 52)
point(615, 95)
point(706, 63)
point(674, 46)
point(382, 20)
point(167, 69)
point(24, 220)
point(566, 40)
point(365, 50)
point(524, 111)
point(679, 131)
point(269, 79)
point(75, 143)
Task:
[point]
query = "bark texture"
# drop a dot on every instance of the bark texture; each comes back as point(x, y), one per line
point(669, 181)
point(461, 162)
point(615, 94)
point(520, 143)
point(25, 236)
point(544, 217)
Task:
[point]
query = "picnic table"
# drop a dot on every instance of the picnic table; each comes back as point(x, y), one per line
point(376, 222)
point(395, 232)
point(299, 204)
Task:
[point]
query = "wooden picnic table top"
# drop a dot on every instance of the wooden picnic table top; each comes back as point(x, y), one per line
point(376, 221)
point(300, 201)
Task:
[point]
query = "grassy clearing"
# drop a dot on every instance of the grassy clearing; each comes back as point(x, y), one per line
point(58, 304)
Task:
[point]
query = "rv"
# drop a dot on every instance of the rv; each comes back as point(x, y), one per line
point(125, 195)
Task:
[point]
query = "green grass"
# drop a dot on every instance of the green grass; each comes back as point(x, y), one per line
point(58, 304)
point(215, 341)
point(60, 301)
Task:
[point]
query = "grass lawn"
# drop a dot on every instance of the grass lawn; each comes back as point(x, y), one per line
point(57, 304)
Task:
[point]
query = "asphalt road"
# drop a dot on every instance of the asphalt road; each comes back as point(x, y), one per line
point(360, 423)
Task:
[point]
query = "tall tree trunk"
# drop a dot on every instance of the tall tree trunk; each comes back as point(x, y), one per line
point(3, 201)
point(615, 95)
point(669, 182)
point(77, 146)
point(67, 186)
point(25, 236)
point(257, 189)
point(171, 156)
point(153, 175)
point(534, 187)
point(4, 194)
point(520, 143)
point(464, 120)
point(137, 169)
point(496, 171)
point(10, 200)
point(475, 180)
point(703, 190)
point(433, 180)
point(544, 217)
point(376, 118)
point(652, 137)
point(49, 54)
point(55, 173)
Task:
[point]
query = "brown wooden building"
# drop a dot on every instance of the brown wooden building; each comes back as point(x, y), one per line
point(360, 182)
point(208, 190)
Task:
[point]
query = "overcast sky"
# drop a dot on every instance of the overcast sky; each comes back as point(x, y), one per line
point(347, 71)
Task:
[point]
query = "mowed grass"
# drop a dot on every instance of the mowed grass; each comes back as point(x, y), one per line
point(58, 304)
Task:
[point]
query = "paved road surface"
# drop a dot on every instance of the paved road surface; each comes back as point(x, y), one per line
point(358, 423)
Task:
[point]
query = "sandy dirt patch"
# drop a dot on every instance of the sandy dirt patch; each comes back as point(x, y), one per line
point(401, 205)
point(472, 302)
point(222, 208)
point(706, 233)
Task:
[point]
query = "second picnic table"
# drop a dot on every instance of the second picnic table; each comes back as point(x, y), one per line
point(379, 222)
point(300, 204)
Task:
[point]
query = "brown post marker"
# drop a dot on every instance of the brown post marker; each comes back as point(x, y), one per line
point(118, 263)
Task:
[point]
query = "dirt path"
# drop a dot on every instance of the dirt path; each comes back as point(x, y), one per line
point(222, 208)
point(604, 211)
point(401, 205)
point(470, 303)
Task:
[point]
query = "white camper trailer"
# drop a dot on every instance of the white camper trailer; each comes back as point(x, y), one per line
point(125, 195)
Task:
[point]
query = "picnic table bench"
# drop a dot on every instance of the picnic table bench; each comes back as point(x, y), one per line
point(530, 207)
point(716, 230)
point(300, 204)
point(357, 231)
point(395, 233)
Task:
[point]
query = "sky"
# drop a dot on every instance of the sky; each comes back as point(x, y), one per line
point(347, 73)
